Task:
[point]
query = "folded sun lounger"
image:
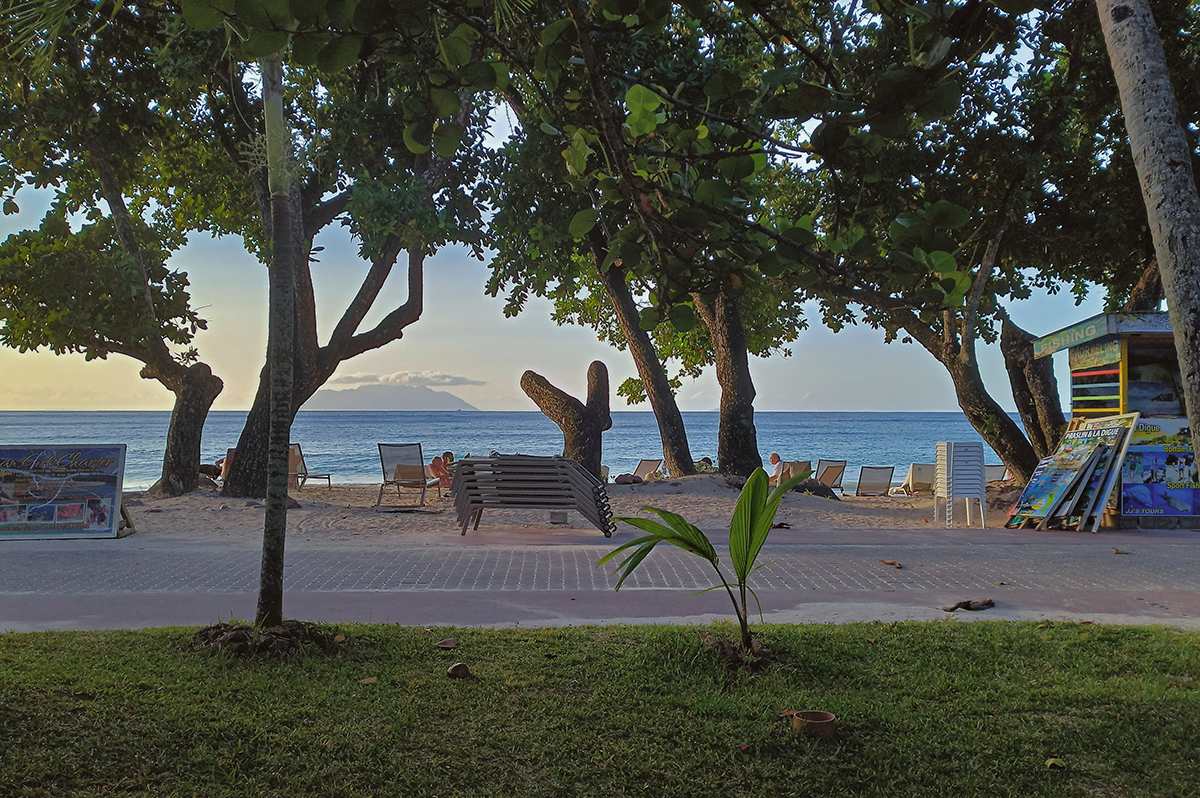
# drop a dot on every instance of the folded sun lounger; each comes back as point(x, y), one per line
point(528, 483)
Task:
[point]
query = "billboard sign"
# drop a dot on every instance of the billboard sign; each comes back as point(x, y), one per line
point(61, 491)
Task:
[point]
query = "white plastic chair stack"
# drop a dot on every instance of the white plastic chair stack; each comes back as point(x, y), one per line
point(960, 475)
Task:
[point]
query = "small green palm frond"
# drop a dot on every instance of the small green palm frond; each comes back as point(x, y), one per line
point(636, 542)
point(757, 602)
point(745, 522)
point(676, 531)
point(764, 519)
point(642, 547)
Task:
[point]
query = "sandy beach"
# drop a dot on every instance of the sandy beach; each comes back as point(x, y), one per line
point(346, 512)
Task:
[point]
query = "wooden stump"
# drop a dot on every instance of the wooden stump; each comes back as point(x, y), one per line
point(581, 424)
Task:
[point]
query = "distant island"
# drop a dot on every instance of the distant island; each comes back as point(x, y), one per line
point(386, 397)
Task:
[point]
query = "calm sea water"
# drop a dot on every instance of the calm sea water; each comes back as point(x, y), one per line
point(344, 442)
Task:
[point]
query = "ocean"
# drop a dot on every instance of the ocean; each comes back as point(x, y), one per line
point(343, 442)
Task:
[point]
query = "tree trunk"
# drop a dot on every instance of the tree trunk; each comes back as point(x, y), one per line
point(282, 317)
point(737, 440)
point(582, 425)
point(989, 419)
point(195, 387)
point(1034, 388)
point(194, 397)
point(1164, 165)
point(676, 451)
point(1147, 293)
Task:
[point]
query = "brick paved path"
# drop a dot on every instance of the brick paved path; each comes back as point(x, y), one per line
point(96, 584)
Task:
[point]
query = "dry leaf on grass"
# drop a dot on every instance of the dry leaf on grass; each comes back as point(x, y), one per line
point(339, 638)
point(449, 642)
point(892, 563)
point(369, 680)
point(1055, 764)
point(1118, 551)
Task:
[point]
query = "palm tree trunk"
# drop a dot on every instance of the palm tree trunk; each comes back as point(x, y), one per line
point(1164, 165)
point(282, 320)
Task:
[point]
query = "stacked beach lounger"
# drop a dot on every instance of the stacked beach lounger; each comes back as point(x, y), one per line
point(528, 483)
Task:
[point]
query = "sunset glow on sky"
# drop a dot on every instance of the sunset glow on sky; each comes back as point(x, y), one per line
point(463, 344)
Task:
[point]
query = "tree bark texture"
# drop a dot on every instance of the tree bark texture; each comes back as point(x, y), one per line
point(1164, 165)
point(990, 421)
point(1147, 293)
point(194, 397)
point(195, 388)
point(582, 424)
point(313, 364)
point(282, 315)
point(737, 439)
point(676, 452)
point(1034, 389)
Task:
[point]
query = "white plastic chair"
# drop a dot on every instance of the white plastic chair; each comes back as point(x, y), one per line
point(960, 475)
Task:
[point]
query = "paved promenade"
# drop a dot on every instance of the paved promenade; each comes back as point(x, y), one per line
point(535, 577)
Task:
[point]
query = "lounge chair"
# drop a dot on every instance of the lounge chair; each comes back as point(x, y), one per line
point(227, 464)
point(404, 467)
point(604, 472)
point(919, 479)
point(791, 468)
point(874, 480)
point(298, 472)
point(994, 473)
point(830, 472)
point(528, 483)
point(646, 467)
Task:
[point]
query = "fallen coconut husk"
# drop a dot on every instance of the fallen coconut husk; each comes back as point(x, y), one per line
point(974, 606)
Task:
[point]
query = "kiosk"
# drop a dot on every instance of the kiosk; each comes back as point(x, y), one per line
point(1126, 363)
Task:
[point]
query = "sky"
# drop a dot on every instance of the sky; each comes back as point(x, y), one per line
point(463, 344)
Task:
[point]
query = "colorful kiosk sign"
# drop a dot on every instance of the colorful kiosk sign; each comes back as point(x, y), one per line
point(1124, 363)
point(61, 491)
point(1159, 474)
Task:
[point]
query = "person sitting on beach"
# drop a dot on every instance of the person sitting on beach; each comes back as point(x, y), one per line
point(440, 468)
point(214, 470)
point(777, 468)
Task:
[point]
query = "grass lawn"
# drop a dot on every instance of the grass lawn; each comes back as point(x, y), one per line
point(924, 709)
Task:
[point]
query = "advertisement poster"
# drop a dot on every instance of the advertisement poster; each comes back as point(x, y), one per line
point(1057, 474)
point(1100, 492)
point(1159, 474)
point(61, 491)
